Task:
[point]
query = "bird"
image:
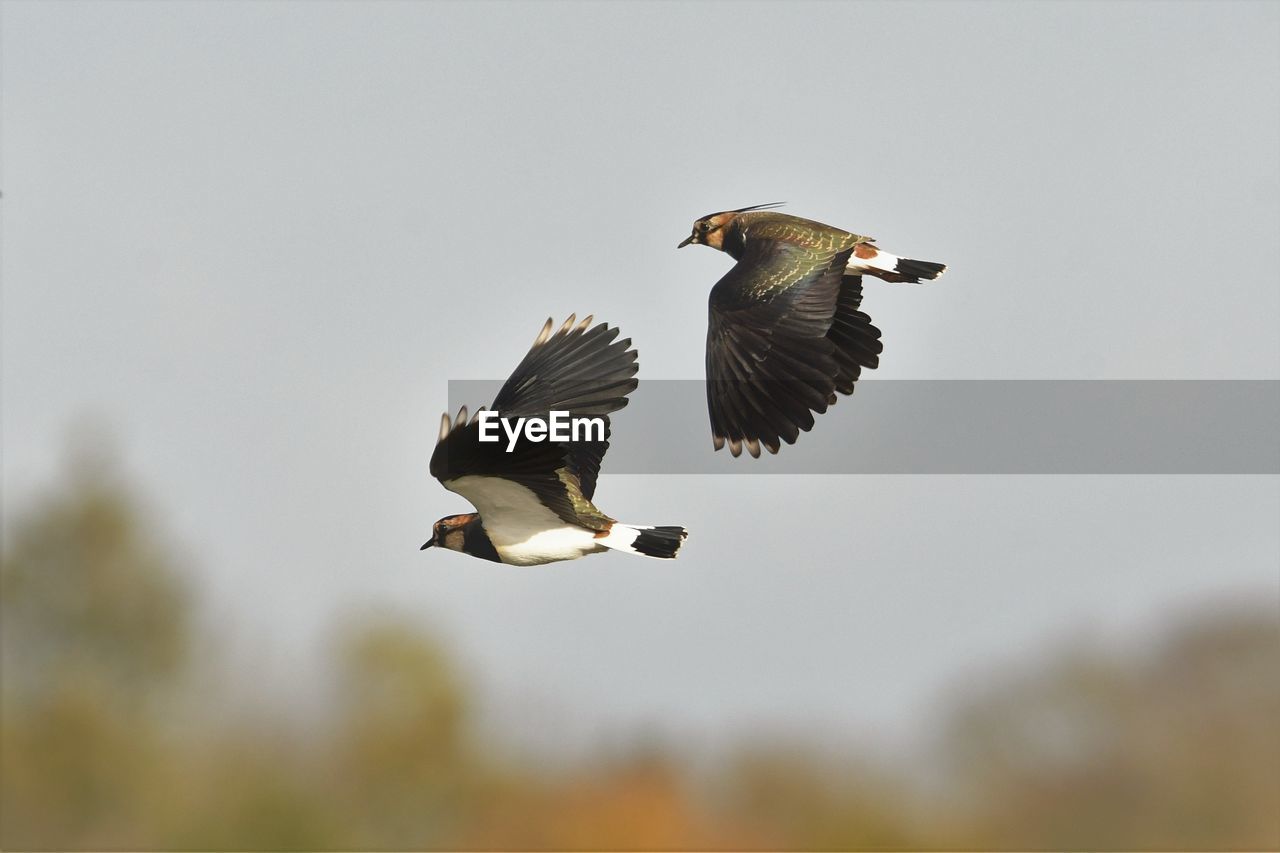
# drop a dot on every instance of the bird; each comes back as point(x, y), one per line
point(533, 499)
point(785, 332)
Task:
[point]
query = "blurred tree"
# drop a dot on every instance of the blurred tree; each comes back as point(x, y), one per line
point(93, 632)
point(405, 767)
point(800, 798)
point(1173, 750)
point(1176, 747)
point(89, 594)
point(258, 786)
point(644, 801)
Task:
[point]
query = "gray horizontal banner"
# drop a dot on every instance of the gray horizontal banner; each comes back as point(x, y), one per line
point(965, 427)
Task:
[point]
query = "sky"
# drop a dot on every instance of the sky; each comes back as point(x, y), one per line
point(255, 242)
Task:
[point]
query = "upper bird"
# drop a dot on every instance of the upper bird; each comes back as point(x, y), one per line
point(534, 497)
point(785, 333)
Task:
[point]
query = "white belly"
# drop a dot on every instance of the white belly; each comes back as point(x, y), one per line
point(522, 530)
point(542, 546)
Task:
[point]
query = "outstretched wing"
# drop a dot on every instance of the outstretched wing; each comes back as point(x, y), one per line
point(770, 363)
point(578, 370)
point(497, 482)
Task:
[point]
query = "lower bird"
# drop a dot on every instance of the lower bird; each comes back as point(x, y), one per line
point(533, 497)
point(785, 331)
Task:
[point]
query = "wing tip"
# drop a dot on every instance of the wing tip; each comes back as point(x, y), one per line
point(753, 446)
point(545, 333)
point(449, 424)
point(572, 326)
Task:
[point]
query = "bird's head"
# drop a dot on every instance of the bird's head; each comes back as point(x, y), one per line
point(710, 230)
point(450, 532)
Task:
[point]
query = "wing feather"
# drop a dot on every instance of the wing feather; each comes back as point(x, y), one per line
point(856, 340)
point(770, 363)
point(578, 369)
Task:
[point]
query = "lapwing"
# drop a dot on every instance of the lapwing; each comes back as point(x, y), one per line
point(785, 333)
point(533, 498)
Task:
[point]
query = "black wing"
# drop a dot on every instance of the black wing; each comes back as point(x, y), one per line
point(770, 363)
point(579, 370)
point(857, 342)
point(471, 467)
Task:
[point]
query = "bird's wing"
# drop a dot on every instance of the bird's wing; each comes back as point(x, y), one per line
point(468, 466)
point(769, 361)
point(579, 370)
point(576, 369)
point(856, 340)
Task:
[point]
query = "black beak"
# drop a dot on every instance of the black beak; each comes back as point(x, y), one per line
point(428, 544)
point(686, 241)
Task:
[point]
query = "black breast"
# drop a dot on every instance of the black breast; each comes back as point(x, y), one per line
point(475, 541)
point(735, 240)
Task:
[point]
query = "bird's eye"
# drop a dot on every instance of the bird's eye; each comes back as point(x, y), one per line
point(703, 226)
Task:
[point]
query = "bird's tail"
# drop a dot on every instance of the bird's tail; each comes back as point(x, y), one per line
point(867, 259)
point(661, 542)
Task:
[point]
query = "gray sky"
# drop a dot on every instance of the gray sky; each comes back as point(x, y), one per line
point(256, 240)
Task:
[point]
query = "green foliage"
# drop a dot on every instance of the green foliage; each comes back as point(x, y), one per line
point(93, 633)
point(403, 756)
point(89, 597)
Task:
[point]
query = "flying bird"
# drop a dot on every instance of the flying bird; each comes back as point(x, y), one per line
point(785, 330)
point(534, 497)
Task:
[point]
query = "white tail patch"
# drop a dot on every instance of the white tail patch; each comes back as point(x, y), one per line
point(622, 536)
point(880, 261)
point(659, 542)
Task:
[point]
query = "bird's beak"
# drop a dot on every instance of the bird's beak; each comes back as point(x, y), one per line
point(428, 544)
point(686, 241)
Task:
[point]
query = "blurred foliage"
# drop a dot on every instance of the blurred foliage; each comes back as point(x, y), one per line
point(1176, 748)
point(93, 636)
point(90, 598)
point(1172, 747)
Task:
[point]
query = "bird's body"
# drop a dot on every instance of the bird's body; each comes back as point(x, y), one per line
point(533, 498)
point(818, 240)
point(785, 332)
point(524, 532)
